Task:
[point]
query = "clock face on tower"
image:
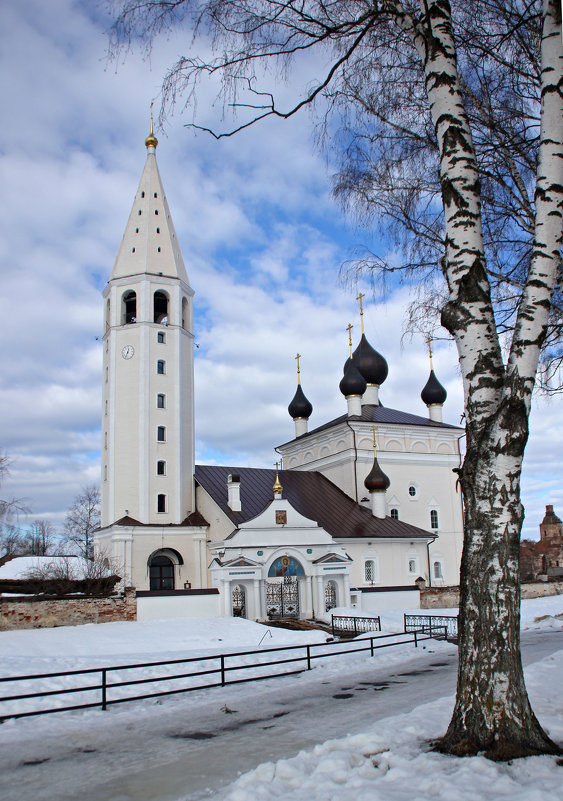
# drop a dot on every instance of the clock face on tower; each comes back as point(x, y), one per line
point(128, 351)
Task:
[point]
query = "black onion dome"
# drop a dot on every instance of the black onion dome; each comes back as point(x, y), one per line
point(371, 364)
point(353, 382)
point(300, 406)
point(433, 392)
point(376, 479)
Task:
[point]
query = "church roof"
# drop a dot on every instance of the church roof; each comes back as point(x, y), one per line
point(311, 494)
point(149, 243)
point(380, 414)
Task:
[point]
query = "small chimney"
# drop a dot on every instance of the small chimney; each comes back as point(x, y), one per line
point(233, 490)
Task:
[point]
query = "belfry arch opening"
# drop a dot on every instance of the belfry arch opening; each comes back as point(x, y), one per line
point(185, 314)
point(129, 307)
point(160, 307)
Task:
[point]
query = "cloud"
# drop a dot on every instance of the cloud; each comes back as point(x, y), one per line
point(261, 237)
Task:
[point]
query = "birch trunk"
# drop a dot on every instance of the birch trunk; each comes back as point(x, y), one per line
point(492, 711)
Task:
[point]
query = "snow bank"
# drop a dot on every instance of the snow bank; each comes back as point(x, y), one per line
point(392, 762)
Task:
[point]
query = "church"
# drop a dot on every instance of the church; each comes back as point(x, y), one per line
point(362, 509)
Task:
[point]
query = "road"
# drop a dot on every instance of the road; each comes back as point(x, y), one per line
point(192, 749)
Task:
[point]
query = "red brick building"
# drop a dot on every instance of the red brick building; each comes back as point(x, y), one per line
point(544, 557)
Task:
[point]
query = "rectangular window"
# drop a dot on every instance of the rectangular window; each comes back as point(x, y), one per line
point(161, 468)
point(161, 503)
point(161, 337)
point(161, 401)
point(161, 367)
point(161, 434)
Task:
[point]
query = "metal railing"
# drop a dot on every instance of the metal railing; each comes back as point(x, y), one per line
point(99, 690)
point(431, 624)
point(350, 626)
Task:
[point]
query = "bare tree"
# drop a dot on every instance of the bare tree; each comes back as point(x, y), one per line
point(452, 131)
point(82, 519)
point(40, 538)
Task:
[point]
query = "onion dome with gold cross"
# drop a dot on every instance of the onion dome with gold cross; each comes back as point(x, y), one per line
point(300, 406)
point(371, 364)
point(353, 382)
point(433, 393)
point(376, 480)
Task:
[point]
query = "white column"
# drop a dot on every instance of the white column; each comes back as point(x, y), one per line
point(300, 426)
point(257, 600)
point(435, 412)
point(199, 576)
point(320, 601)
point(227, 599)
point(308, 597)
point(346, 583)
point(378, 503)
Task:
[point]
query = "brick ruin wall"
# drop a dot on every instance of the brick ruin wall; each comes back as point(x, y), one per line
point(448, 597)
point(37, 613)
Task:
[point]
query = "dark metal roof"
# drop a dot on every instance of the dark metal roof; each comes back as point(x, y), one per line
point(380, 414)
point(310, 493)
point(194, 519)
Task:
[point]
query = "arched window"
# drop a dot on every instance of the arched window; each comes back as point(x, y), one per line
point(161, 337)
point(161, 434)
point(433, 518)
point(108, 319)
point(129, 308)
point(185, 313)
point(394, 514)
point(161, 367)
point(160, 401)
point(160, 307)
point(369, 571)
point(161, 502)
point(161, 572)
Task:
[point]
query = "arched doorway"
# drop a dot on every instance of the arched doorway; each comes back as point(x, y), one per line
point(282, 591)
point(239, 601)
point(161, 573)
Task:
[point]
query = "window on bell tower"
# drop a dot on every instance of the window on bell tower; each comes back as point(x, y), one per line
point(160, 307)
point(129, 308)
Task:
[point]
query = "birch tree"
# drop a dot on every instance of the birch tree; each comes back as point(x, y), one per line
point(410, 81)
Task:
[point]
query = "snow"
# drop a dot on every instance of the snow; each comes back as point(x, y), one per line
point(389, 759)
point(21, 566)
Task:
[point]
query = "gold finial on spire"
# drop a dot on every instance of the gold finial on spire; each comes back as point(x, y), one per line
point(349, 329)
point(151, 140)
point(277, 486)
point(360, 296)
point(429, 343)
point(374, 445)
point(298, 370)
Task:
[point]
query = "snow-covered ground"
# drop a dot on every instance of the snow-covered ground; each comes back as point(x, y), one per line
point(390, 760)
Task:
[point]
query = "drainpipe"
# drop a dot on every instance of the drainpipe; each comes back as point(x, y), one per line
point(355, 460)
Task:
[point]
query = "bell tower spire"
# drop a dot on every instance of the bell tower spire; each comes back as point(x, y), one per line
point(148, 421)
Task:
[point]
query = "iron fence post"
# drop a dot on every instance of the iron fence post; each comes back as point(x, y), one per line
point(222, 670)
point(371, 643)
point(104, 690)
point(308, 657)
point(415, 639)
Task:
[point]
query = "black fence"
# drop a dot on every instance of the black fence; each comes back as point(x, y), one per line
point(350, 626)
point(104, 687)
point(432, 625)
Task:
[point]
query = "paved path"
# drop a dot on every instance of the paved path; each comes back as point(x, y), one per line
point(191, 751)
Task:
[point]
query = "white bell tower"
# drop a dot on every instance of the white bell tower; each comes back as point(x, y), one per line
point(147, 413)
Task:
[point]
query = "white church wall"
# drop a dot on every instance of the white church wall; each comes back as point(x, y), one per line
point(390, 599)
point(179, 605)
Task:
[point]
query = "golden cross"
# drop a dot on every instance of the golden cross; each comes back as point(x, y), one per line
point(429, 343)
point(360, 296)
point(298, 371)
point(349, 329)
point(374, 445)
point(152, 104)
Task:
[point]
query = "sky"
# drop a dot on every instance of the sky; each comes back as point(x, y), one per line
point(262, 238)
